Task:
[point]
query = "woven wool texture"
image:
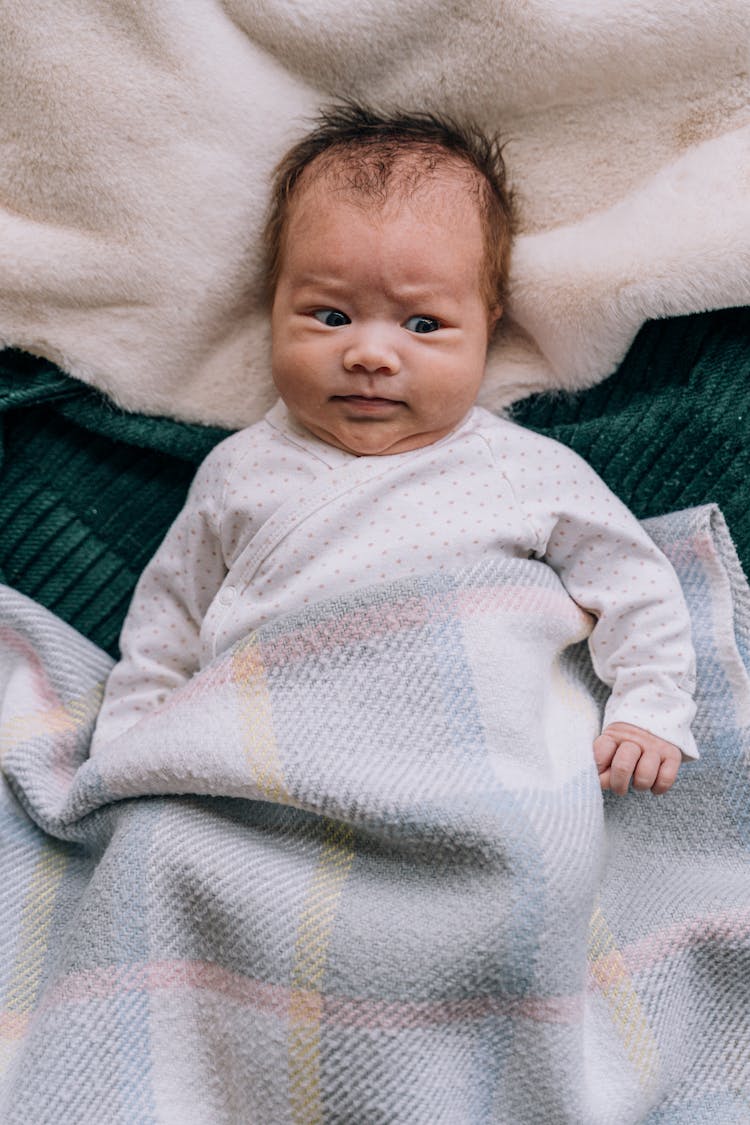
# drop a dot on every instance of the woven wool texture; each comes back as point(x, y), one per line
point(87, 492)
point(360, 870)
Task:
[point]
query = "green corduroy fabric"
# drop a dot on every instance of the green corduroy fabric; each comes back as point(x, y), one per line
point(87, 491)
point(670, 429)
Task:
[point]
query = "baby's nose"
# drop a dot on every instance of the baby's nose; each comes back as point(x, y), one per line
point(374, 353)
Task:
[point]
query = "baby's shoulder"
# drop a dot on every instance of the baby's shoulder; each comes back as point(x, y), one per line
point(520, 448)
point(233, 450)
point(241, 454)
point(262, 445)
point(258, 459)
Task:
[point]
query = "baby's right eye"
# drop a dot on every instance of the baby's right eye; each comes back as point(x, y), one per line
point(332, 318)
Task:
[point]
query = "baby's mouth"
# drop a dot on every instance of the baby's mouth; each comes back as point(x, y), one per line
point(367, 402)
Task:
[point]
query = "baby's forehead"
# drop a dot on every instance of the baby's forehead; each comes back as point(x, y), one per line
point(425, 176)
point(441, 196)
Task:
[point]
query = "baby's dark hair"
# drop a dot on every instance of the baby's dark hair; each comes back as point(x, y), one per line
point(365, 150)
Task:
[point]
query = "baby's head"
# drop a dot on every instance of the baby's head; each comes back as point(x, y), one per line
point(387, 249)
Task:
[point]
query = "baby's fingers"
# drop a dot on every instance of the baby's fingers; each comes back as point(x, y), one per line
point(667, 773)
point(624, 762)
point(647, 770)
point(604, 749)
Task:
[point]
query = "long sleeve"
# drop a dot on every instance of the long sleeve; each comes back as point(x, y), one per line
point(160, 641)
point(640, 644)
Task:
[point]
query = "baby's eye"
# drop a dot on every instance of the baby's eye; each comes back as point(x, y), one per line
point(422, 324)
point(332, 318)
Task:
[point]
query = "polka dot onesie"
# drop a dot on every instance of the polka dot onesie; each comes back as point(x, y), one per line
point(276, 520)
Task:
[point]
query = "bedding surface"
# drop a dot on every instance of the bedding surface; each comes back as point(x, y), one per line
point(359, 869)
point(137, 142)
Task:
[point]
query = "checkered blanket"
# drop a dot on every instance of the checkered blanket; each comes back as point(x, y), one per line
point(359, 870)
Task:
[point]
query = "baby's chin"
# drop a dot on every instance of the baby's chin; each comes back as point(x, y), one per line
point(372, 439)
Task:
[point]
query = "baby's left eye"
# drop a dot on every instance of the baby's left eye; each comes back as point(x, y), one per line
point(332, 318)
point(422, 324)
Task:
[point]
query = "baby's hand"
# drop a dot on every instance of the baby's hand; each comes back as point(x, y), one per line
point(623, 752)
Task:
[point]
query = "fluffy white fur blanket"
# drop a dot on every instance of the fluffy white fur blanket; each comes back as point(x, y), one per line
point(137, 140)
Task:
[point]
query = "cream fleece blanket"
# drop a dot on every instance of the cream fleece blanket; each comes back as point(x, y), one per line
point(137, 140)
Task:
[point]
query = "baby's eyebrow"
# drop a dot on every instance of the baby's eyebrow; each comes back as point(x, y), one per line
point(432, 300)
point(321, 281)
point(412, 297)
point(417, 292)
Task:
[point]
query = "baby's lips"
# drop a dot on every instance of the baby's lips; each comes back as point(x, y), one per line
point(368, 401)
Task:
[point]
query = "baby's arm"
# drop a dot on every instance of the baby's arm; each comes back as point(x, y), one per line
point(640, 644)
point(160, 640)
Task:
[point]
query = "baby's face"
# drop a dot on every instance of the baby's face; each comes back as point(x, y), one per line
point(379, 324)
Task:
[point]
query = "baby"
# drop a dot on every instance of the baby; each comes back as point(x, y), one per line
point(388, 244)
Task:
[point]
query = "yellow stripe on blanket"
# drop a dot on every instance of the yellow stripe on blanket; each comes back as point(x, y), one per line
point(311, 955)
point(610, 972)
point(66, 718)
point(33, 939)
point(324, 892)
point(261, 750)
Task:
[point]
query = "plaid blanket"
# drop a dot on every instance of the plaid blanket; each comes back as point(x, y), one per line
point(360, 871)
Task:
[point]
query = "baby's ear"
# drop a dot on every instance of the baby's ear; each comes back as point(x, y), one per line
point(494, 316)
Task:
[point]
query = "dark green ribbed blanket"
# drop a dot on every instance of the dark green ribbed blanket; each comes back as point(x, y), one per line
point(86, 491)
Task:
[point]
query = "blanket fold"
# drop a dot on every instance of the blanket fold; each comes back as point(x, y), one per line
point(359, 869)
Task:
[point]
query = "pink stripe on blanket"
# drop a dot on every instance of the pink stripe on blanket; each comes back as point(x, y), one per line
point(663, 945)
point(14, 1025)
point(273, 999)
point(166, 976)
point(15, 642)
point(683, 552)
point(379, 622)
